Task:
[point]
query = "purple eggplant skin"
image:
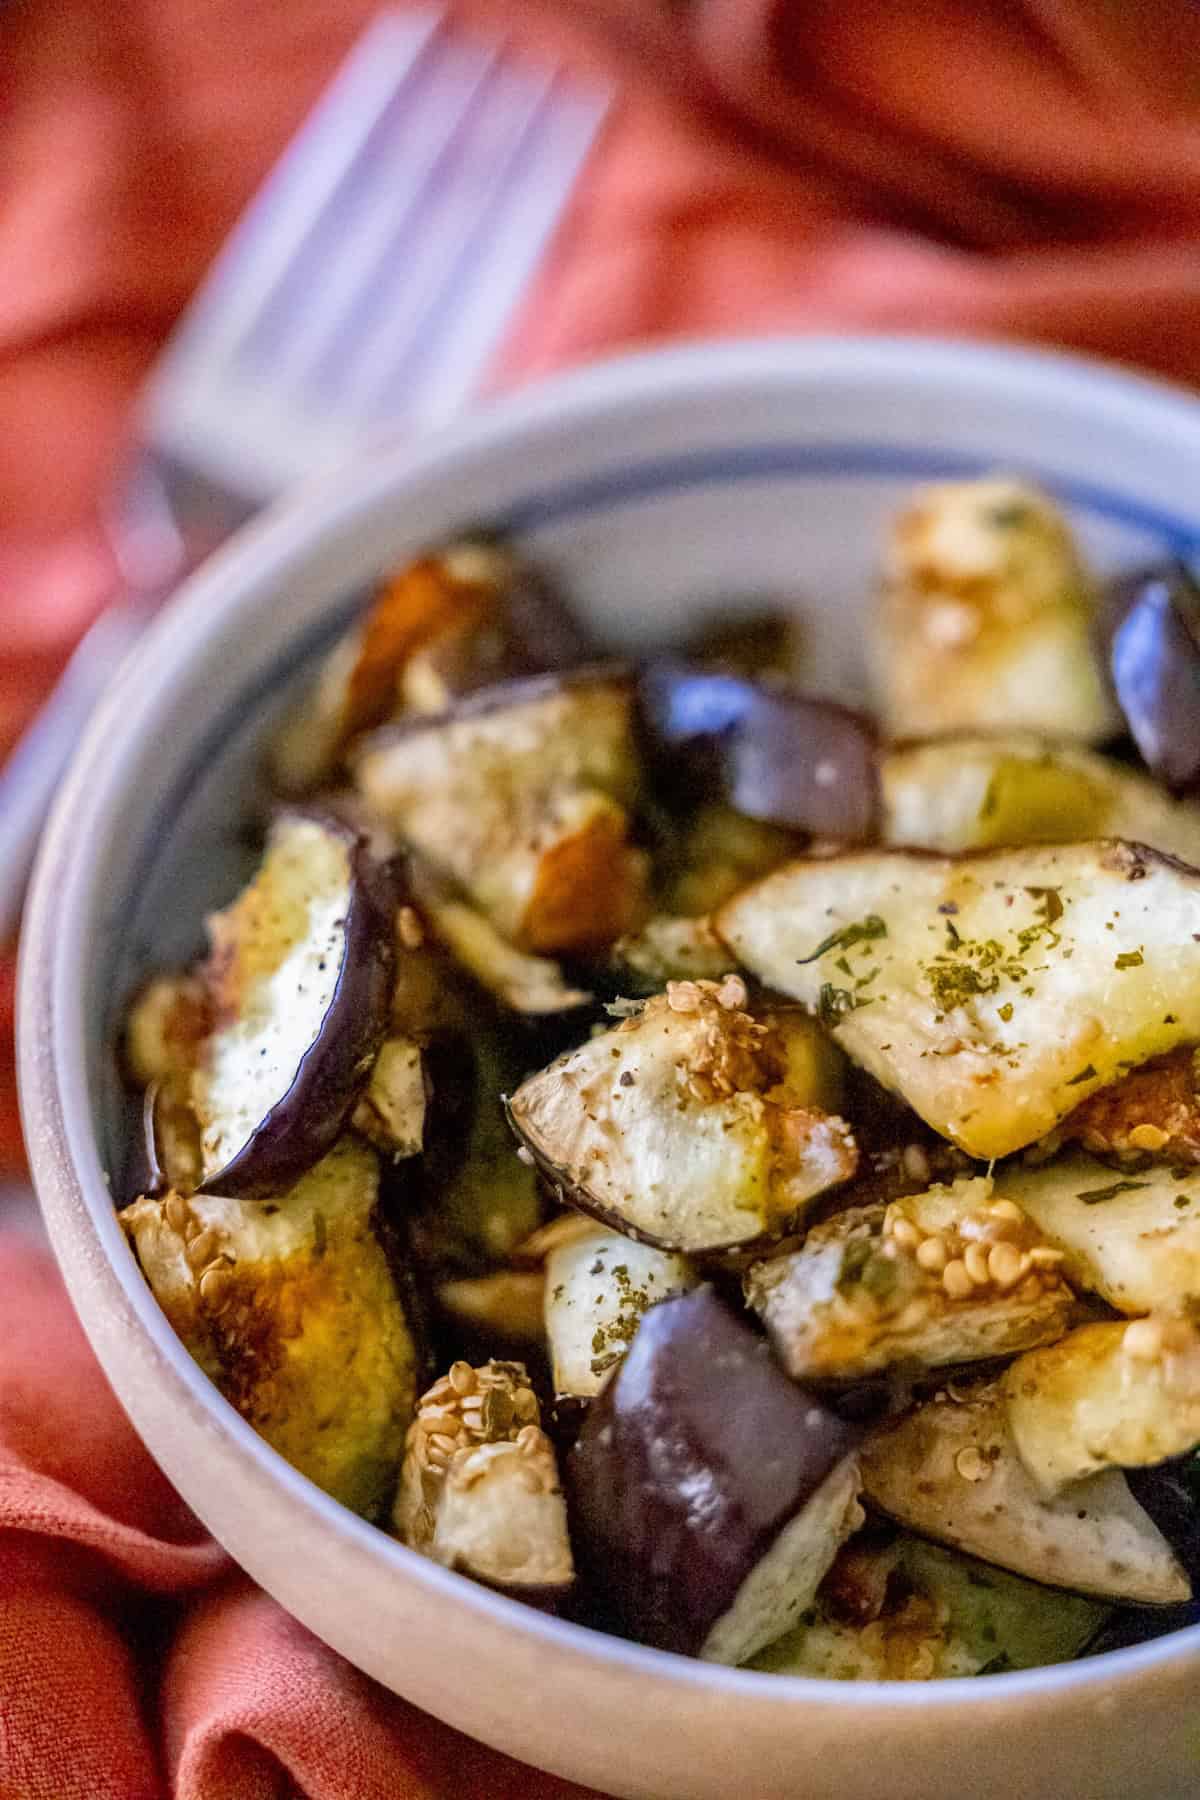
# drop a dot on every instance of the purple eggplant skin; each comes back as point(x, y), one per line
point(305, 1122)
point(766, 749)
point(1170, 1493)
point(694, 1456)
point(1155, 663)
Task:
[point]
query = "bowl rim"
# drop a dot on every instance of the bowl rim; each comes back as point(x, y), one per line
point(55, 1108)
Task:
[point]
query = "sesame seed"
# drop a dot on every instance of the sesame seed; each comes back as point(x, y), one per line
point(462, 1378)
point(905, 1233)
point(1043, 1257)
point(932, 1255)
point(176, 1209)
point(215, 1285)
point(975, 1261)
point(956, 1281)
point(1004, 1265)
point(525, 1406)
point(915, 1163)
point(971, 1465)
point(200, 1250)
point(1006, 1209)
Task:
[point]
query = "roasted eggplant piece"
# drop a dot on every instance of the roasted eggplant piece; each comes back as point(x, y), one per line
point(1111, 1395)
point(986, 618)
point(976, 793)
point(503, 1308)
point(444, 624)
point(1134, 1239)
point(941, 1278)
point(682, 1127)
point(519, 981)
point(715, 853)
point(290, 1307)
point(938, 1615)
point(710, 1493)
point(1155, 662)
point(299, 979)
point(481, 1198)
point(168, 1019)
point(479, 1488)
point(992, 992)
point(1150, 1115)
point(763, 748)
point(391, 1111)
point(521, 797)
point(668, 948)
point(598, 1288)
point(950, 1471)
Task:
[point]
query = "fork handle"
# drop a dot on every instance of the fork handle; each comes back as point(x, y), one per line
point(166, 523)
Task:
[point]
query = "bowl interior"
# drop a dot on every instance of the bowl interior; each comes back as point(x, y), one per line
point(655, 489)
point(651, 514)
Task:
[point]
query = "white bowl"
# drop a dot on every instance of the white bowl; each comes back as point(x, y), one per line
point(654, 485)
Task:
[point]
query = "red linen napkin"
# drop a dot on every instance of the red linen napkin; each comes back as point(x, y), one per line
point(1024, 167)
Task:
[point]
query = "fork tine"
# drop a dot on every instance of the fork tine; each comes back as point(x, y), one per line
point(346, 243)
point(486, 149)
point(436, 370)
point(267, 238)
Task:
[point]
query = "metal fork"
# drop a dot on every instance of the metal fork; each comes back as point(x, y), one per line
point(366, 287)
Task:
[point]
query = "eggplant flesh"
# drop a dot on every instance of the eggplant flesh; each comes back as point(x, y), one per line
point(950, 1471)
point(299, 977)
point(521, 982)
point(938, 1615)
point(710, 1493)
point(1108, 1395)
point(290, 1307)
point(993, 992)
point(521, 797)
point(391, 1112)
point(598, 1287)
point(856, 1299)
point(678, 1127)
point(1132, 1237)
point(986, 618)
point(976, 793)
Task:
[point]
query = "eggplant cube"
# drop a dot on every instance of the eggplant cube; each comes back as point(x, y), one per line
point(938, 1614)
point(1132, 1238)
point(300, 979)
point(950, 1471)
point(521, 796)
point(1109, 1395)
point(986, 618)
point(599, 1287)
point(391, 1112)
point(678, 1127)
point(973, 793)
point(993, 992)
point(290, 1307)
point(710, 1493)
point(479, 1488)
point(940, 1278)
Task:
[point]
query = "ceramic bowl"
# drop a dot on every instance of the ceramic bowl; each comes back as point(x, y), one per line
point(656, 487)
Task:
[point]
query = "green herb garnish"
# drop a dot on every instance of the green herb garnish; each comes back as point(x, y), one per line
point(864, 932)
point(1093, 1196)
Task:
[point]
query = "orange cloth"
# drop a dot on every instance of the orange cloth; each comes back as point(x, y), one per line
point(1025, 167)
